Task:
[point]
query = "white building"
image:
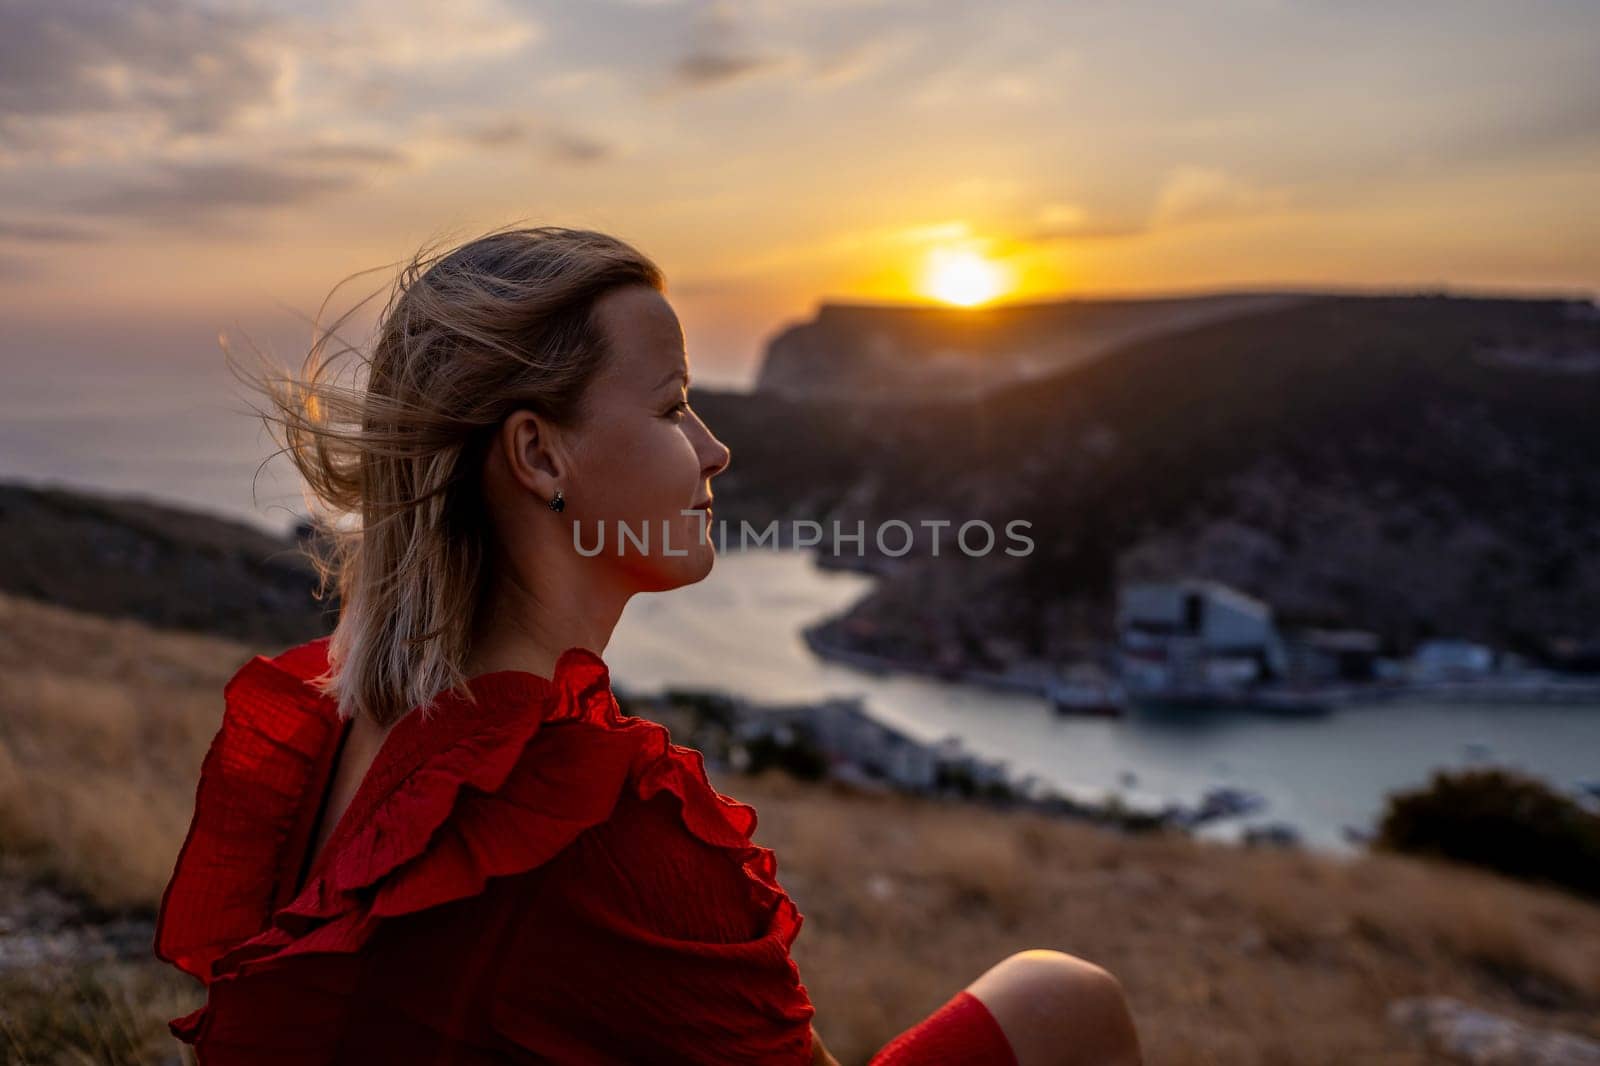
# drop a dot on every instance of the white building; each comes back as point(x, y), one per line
point(1450, 660)
point(1333, 655)
point(1195, 633)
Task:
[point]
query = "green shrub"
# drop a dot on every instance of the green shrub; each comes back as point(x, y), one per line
point(1500, 820)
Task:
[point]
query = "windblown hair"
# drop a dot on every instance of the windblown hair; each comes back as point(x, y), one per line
point(393, 465)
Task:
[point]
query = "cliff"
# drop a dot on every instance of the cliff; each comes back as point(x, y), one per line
point(868, 351)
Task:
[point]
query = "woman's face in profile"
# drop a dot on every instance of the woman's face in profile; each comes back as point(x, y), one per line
point(644, 458)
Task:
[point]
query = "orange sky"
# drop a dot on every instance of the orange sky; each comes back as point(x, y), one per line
point(212, 164)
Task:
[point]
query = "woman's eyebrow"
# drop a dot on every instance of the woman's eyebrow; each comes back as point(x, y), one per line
point(678, 373)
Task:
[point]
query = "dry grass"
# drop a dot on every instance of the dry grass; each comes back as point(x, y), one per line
point(1228, 956)
point(103, 724)
point(102, 1013)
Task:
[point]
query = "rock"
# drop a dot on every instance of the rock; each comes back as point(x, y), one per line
point(1272, 834)
point(881, 887)
point(41, 926)
point(1467, 1034)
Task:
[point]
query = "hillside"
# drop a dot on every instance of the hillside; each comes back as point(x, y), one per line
point(1239, 956)
point(1378, 462)
point(169, 566)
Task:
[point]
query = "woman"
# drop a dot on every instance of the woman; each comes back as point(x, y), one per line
point(433, 837)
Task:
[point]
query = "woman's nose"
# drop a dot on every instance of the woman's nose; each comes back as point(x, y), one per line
point(722, 455)
point(718, 454)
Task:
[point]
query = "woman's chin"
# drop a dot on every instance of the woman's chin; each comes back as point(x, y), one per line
point(701, 558)
point(684, 570)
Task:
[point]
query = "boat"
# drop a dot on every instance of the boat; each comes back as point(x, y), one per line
point(1278, 701)
point(1219, 802)
point(1091, 697)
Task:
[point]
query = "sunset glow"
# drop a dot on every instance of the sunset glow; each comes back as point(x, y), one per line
point(962, 277)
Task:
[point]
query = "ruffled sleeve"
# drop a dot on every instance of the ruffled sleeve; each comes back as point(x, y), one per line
point(661, 936)
point(252, 803)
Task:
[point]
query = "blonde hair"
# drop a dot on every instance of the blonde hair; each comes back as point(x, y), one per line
point(499, 323)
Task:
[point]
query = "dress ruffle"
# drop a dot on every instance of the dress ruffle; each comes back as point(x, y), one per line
point(254, 781)
point(472, 792)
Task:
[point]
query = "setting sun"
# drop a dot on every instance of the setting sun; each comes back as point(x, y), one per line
point(962, 277)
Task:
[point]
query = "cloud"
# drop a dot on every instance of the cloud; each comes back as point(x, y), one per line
point(718, 55)
point(1189, 194)
point(45, 232)
point(1071, 222)
point(175, 67)
point(496, 133)
point(1194, 193)
point(337, 152)
point(582, 80)
point(860, 59)
point(15, 267)
point(1511, 130)
point(578, 148)
point(514, 131)
point(709, 67)
point(420, 34)
point(85, 80)
point(181, 194)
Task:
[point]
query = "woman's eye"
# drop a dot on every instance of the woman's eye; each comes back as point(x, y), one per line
point(679, 408)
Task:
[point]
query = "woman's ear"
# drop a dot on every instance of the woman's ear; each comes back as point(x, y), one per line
point(530, 447)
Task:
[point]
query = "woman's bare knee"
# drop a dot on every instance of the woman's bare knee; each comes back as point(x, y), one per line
point(1059, 1010)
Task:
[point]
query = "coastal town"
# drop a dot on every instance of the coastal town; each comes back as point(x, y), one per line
point(1189, 646)
point(1196, 643)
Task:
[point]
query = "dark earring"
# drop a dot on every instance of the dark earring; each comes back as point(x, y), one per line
point(558, 504)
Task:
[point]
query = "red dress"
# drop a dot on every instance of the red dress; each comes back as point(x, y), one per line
point(537, 878)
